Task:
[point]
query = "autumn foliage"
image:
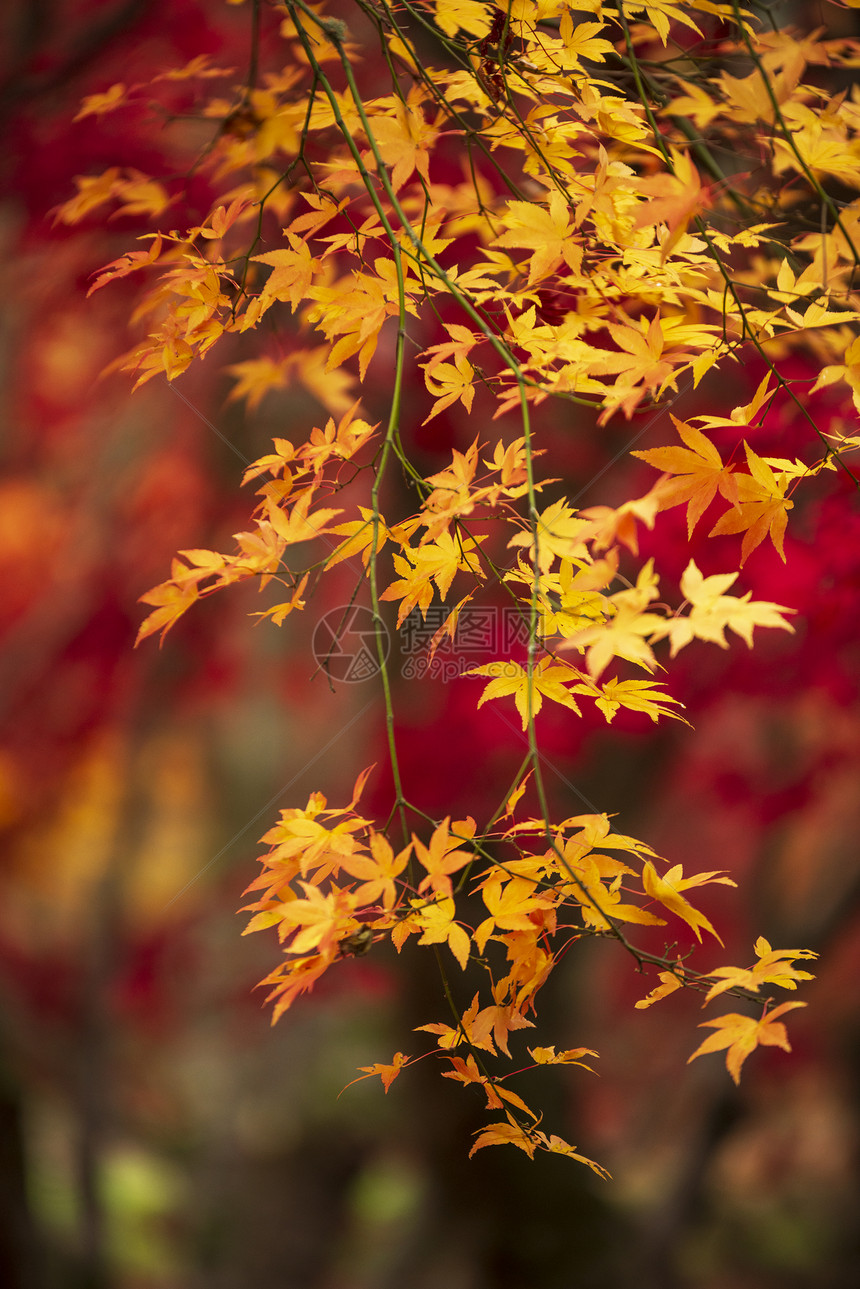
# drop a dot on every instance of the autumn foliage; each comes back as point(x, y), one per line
point(505, 215)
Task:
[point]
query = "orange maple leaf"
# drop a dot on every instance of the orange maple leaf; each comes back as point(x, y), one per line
point(742, 1035)
point(504, 1134)
point(699, 474)
point(443, 856)
point(475, 1028)
point(762, 507)
point(388, 1073)
point(380, 870)
point(172, 601)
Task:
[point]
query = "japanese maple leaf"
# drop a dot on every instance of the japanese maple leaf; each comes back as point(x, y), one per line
point(99, 104)
point(293, 270)
point(548, 233)
point(318, 921)
point(547, 681)
point(128, 263)
point(342, 441)
point(661, 14)
point(762, 507)
point(403, 138)
point(601, 903)
point(447, 555)
point(511, 904)
point(452, 493)
point(467, 1072)
point(848, 370)
point(380, 870)
point(639, 362)
point(624, 634)
point(261, 551)
point(558, 1146)
point(463, 15)
point(436, 922)
point(388, 1073)
point(442, 857)
point(673, 199)
point(699, 474)
point(475, 1028)
point(667, 890)
point(669, 982)
point(549, 1056)
point(291, 979)
point(559, 533)
point(360, 534)
point(504, 1134)
point(274, 463)
point(255, 377)
point(742, 1035)
point(278, 613)
point(636, 695)
point(774, 967)
point(297, 525)
point(450, 382)
point(420, 566)
point(619, 524)
point(711, 612)
point(171, 601)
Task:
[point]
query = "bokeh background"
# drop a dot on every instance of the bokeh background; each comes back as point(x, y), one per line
point(155, 1132)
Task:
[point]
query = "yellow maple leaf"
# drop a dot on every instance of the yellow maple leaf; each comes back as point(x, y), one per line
point(558, 1146)
point(549, 233)
point(360, 534)
point(667, 890)
point(403, 137)
point(93, 191)
point(318, 921)
point(559, 533)
point(293, 269)
point(297, 525)
point(671, 198)
point(450, 383)
point(636, 695)
point(625, 633)
point(420, 567)
point(437, 925)
point(712, 612)
point(548, 680)
point(669, 982)
point(774, 967)
point(470, 16)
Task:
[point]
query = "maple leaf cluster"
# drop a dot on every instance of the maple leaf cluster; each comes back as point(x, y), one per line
point(539, 216)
